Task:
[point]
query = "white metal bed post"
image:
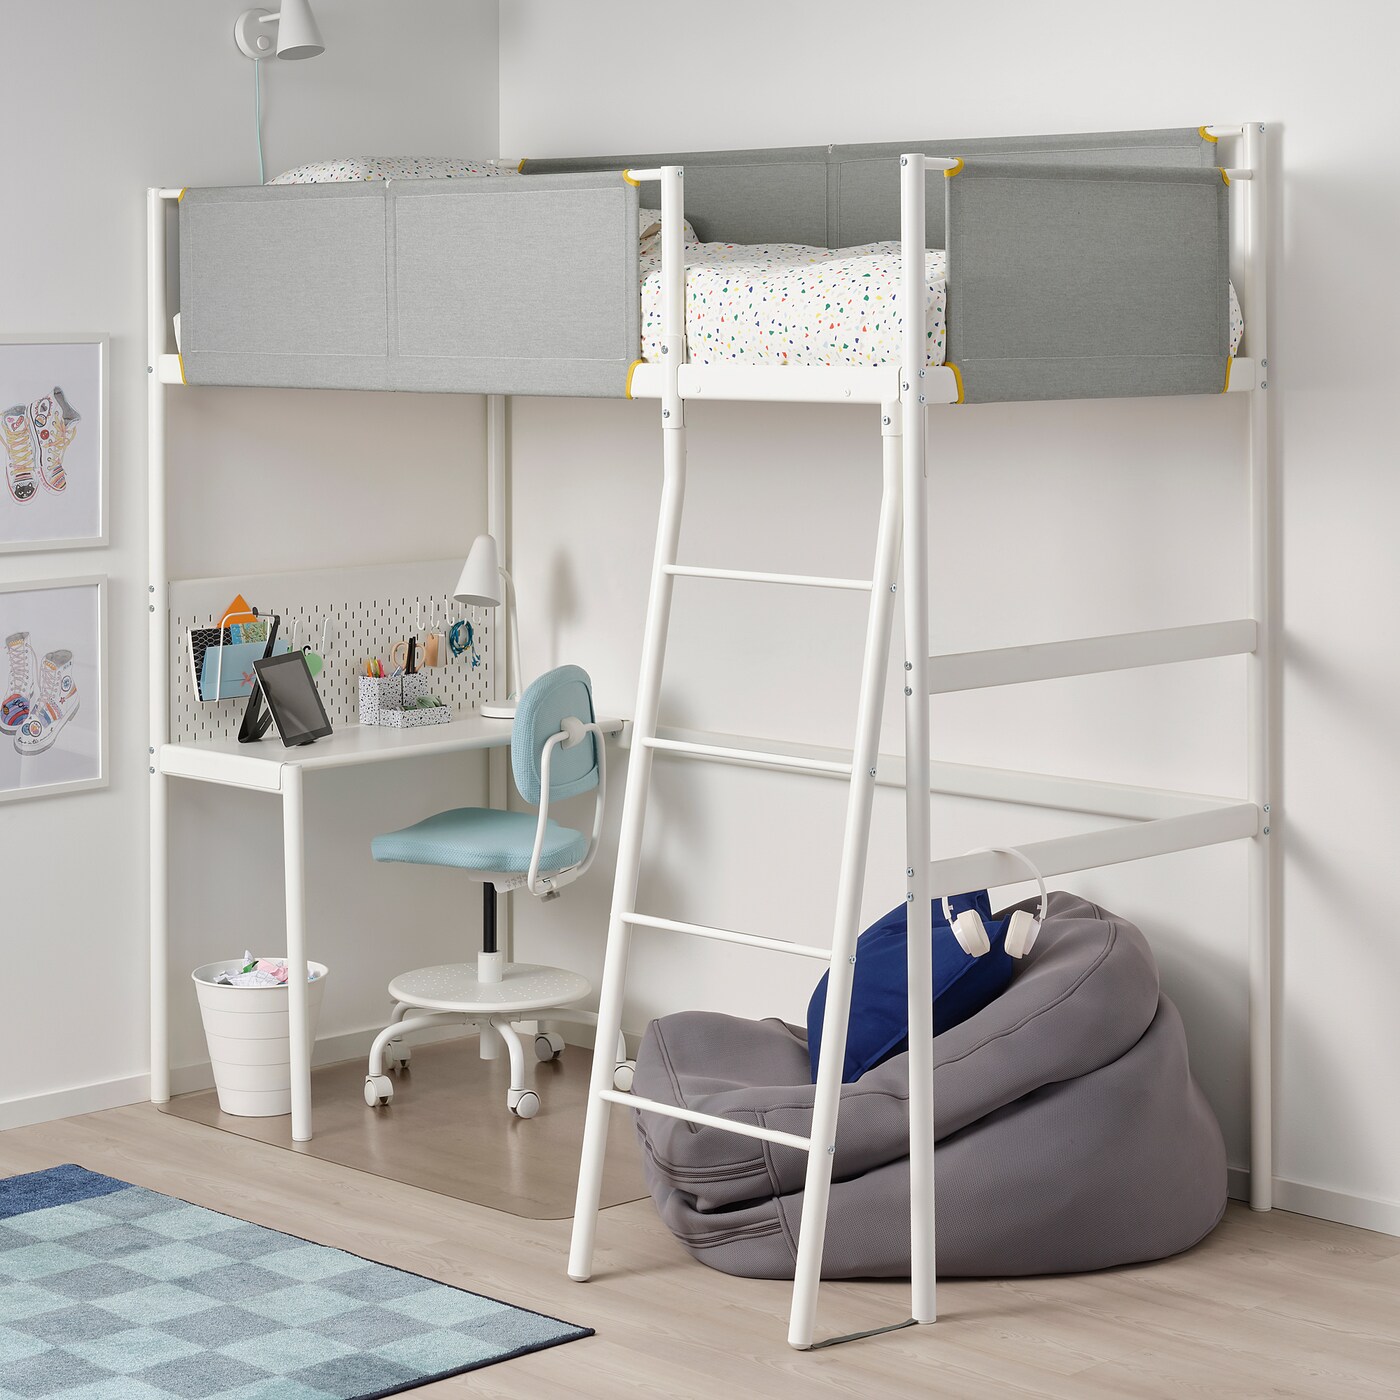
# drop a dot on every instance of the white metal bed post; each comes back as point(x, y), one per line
point(918, 835)
point(498, 780)
point(1260, 680)
point(629, 850)
point(158, 658)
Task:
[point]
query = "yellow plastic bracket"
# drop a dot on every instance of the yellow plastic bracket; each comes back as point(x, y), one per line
point(627, 175)
point(1230, 360)
point(957, 377)
point(181, 195)
point(1206, 136)
point(1223, 175)
point(520, 169)
point(955, 169)
point(181, 359)
point(631, 370)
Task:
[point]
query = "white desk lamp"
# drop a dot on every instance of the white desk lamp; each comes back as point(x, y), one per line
point(481, 586)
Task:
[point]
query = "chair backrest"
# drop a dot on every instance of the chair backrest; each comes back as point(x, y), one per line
point(548, 701)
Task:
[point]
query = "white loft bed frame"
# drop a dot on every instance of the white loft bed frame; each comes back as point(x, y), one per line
point(1165, 821)
point(1162, 820)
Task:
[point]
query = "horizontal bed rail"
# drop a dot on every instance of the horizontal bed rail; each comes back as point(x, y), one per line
point(1086, 656)
point(707, 1120)
point(1063, 855)
point(776, 384)
point(1013, 786)
point(786, 383)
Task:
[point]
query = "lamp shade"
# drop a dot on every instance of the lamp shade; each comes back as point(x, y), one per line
point(480, 584)
point(297, 34)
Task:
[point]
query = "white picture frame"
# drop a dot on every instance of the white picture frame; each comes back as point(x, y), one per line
point(53, 476)
point(65, 620)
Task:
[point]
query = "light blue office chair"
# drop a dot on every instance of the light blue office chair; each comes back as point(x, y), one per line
point(557, 751)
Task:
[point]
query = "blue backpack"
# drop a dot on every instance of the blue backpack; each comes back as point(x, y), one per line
point(962, 985)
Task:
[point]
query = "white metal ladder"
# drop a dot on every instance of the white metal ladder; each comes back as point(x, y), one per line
point(625, 917)
point(646, 743)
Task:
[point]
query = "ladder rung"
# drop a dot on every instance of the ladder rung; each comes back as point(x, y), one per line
point(716, 751)
point(725, 935)
point(859, 585)
point(728, 1125)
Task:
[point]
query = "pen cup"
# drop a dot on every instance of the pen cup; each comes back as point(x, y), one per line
point(383, 701)
point(380, 694)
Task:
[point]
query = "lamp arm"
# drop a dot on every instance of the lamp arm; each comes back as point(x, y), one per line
point(513, 667)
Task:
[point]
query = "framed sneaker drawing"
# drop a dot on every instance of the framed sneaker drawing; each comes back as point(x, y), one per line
point(53, 441)
point(53, 687)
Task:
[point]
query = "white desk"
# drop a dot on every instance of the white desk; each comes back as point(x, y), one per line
point(269, 767)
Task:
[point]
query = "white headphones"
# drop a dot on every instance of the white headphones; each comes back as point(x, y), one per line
point(1021, 932)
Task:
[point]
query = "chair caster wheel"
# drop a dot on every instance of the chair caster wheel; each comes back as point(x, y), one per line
point(524, 1103)
point(379, 1089)
point(622, 1076)
point(396, 1056)
point(548, 1046)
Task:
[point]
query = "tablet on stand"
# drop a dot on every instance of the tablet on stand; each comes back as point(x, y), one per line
point(293, 699)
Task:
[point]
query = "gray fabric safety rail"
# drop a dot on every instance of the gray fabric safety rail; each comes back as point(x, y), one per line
point(1087, 281)
point(1080, 266)
point(843, 196)
point(469, 286)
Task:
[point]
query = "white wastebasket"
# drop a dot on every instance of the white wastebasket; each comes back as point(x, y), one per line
point(249, 1044)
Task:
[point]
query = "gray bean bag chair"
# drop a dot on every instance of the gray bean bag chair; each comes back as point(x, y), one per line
point(1071, 1135)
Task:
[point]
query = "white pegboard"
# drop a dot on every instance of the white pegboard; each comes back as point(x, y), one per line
point(369, 609)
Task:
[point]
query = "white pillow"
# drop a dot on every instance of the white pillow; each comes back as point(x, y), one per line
point(649, 226)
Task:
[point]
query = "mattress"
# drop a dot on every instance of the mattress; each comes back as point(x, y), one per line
point(750, 304)
point(787, 304)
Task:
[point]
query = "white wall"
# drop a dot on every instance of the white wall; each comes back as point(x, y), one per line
point(1091, 517)
point(99, 101)
point(1086, 517)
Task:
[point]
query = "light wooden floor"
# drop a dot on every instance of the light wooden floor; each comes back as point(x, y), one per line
point(1270, 1305)
point(448, 1130)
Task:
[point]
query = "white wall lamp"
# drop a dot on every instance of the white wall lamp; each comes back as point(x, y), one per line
point(485, 584)
point(296, 31)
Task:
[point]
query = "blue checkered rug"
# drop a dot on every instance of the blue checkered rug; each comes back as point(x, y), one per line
point(112, 1292)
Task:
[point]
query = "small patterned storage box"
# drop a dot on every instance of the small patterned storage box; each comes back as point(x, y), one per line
point(384, 701)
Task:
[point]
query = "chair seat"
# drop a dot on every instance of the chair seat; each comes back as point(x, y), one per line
point(523, 987)
point(482, 839)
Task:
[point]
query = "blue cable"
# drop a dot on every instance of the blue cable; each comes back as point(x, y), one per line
point(257, 116)
point(457, 644)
